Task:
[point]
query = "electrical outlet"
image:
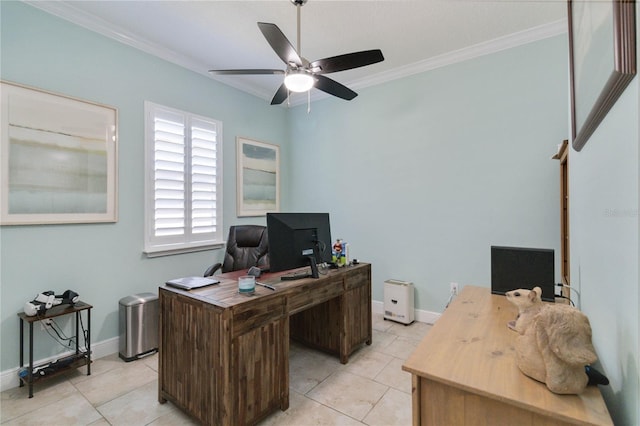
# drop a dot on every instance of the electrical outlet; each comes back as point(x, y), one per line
point(454, 288)
point(45, 323)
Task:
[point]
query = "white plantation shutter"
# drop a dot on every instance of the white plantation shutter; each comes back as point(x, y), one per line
point(203, 176)
point(169, 174)
point(182, 188)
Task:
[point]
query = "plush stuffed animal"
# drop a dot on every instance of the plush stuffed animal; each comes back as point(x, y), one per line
point(554, 342)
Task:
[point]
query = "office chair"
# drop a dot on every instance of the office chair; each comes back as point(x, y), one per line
point(247, 246)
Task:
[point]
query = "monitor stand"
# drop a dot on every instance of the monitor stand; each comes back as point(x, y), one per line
point(296, 276)
point(314, 267)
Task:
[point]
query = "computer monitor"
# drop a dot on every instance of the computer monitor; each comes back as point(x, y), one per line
point(519, 267)
point(297, 240)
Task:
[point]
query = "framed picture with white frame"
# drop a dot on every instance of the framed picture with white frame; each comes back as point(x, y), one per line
point(58, 158)
point(258, 177)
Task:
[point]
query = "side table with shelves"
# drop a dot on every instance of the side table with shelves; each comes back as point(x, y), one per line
point(63, 364)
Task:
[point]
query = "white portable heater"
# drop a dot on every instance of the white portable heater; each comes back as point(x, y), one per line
point(398, 301)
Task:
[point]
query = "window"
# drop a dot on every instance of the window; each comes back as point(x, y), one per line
point(183, 181)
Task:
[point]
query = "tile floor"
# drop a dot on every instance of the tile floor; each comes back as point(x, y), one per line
point(371, 389)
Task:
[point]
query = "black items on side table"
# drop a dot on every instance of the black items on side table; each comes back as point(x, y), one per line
point(50, 369)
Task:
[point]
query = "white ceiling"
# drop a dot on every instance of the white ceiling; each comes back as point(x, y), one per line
point(413, 35)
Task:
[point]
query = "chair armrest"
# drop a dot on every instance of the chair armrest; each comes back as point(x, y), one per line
point(212, 269)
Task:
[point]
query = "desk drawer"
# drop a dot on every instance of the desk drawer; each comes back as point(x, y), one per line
point(358, 277)
point(314, 293)
point(261, 311)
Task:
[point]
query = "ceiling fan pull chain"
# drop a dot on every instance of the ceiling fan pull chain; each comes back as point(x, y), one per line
point(308, 101)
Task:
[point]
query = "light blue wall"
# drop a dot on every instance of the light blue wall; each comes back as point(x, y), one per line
point(604, 220)
point(423, 175)
point(420, 175)
point(104, 262)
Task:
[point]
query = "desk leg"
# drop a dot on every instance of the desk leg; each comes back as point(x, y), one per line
point(30, 376)
point(284, 400)
point(415, 399)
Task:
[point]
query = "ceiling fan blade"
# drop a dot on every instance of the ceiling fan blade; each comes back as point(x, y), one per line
point(347, 61)
point(334, 88)
point(280, 95)
point(246, 72)
point(279, 43)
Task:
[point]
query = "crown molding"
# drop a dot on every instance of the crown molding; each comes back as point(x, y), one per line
point(91, 22)
point(481, 49)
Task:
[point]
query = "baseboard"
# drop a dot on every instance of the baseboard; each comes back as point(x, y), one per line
point(9, 378)
point(428, 317)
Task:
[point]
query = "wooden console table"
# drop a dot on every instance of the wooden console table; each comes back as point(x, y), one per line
point(464, 372)
point(224, 357)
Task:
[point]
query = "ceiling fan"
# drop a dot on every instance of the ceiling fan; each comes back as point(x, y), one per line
point(302, 75)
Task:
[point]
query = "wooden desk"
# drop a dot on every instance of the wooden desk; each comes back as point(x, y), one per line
point(224, 357)
point(464, 372)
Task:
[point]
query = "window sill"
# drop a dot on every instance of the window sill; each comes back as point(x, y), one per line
point(171, 250)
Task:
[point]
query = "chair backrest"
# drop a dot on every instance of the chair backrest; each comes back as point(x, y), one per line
point(247, 246)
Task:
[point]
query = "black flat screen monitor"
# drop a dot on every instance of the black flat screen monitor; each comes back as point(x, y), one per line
point(518, 267)
point(297, 240)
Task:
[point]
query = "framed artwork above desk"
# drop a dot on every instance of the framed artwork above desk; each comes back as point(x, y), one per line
point(258, 177)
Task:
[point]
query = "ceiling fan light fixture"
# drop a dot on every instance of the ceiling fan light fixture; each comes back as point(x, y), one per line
point(298, 81)
point(301, 75)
